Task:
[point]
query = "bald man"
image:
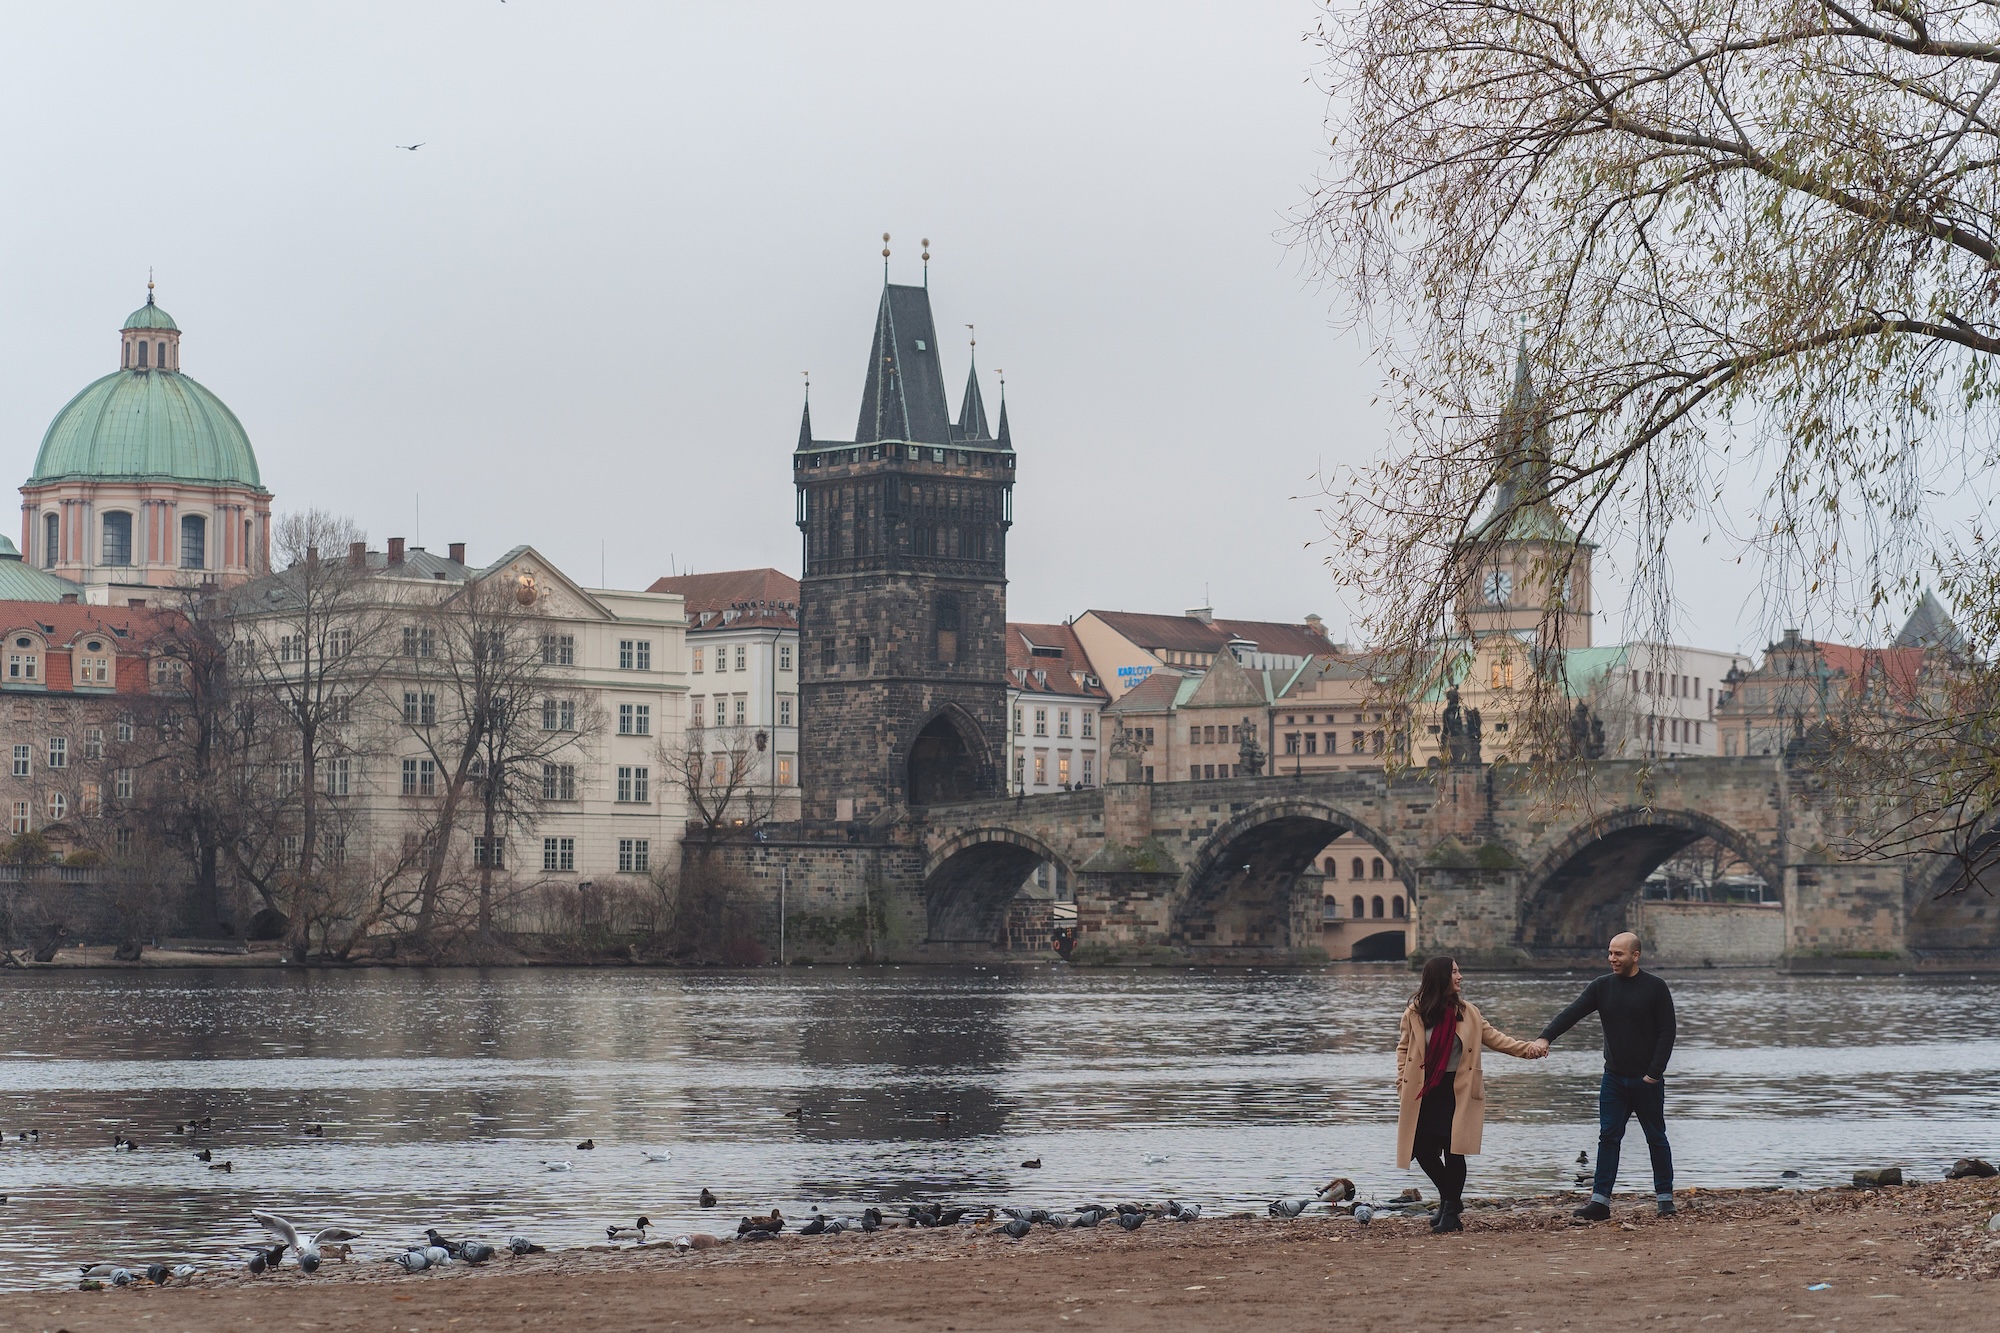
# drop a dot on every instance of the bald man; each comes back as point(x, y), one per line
point(1637, 1011)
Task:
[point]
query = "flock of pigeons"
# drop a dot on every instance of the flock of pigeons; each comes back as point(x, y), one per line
point(311, 1249)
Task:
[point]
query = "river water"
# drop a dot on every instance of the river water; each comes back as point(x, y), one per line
point(442, 1093)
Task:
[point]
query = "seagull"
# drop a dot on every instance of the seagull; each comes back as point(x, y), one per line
point(412, 147)
point(556, 1166)
point(1287, 1207)
point(307, 1249)
point(652, 1156)
point(522, 1245)
point(637, 1232)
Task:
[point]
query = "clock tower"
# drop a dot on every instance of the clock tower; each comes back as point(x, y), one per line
point(1530, 563)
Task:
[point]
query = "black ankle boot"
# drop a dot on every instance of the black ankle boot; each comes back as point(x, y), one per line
point(1448, 1218)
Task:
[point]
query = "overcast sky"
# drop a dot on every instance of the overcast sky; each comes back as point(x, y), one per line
point(578, 314)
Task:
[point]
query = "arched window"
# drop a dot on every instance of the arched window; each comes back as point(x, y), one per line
point(1332, 867)
point(160, 355)
point(142, 356)
point(1376, 872)
point(1359, 872)
point(1377, 904)
point(128, 352)
point(1360, 908)
point(51, 539)
point(117, 546)
point(194, 542)
point(1396, 907)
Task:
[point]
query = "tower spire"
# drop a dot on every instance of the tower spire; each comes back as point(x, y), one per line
point(149, 284)
point(972, 408)
point(885, 259)
point(806, 415)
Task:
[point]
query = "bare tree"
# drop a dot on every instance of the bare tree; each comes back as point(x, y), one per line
point(723, 772)
point(1686, 220)
point(501, 722)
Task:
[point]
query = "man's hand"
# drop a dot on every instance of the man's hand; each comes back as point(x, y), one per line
point(1538, 1048)
point(1651, 1079)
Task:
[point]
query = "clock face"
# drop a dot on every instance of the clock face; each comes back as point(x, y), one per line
point(1499, 587)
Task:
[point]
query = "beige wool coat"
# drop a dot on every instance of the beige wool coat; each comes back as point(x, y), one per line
point(1468, 1122)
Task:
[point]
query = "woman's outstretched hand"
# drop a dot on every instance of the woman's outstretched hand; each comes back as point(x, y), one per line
point(1538, 1049)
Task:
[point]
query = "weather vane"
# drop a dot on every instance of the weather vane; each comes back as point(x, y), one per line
point(974, 335)
point(885, 256)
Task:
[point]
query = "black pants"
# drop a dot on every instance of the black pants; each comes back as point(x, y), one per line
point(1432, 1148)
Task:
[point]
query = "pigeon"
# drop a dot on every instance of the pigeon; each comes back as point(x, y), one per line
point(184, 1274)
point(156, 1274)
point(1364, 1213)
point(652, 1156)
point(307, 1248)
point(475, 1251)
point(263, 1257)
point(522, 1245)
point(636, 1232)
point(556, 1166)
point(871, 1219)
point(1032, 1164)
point(707, 1198)
point(1338, 1190)
point(837, 1225)
point(1017, 1227)
point(438, 1255)
point(1287, 1207)
point(433, 1237)
point(121, 1277)
point(204, 1155)
point(1131, 1221)
point(413, 1261)
point(1183, 1212)
point(587, 1145)
point(1088, 1216)
point(815, 1226)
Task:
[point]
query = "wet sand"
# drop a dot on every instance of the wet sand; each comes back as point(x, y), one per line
point(1911, 1257)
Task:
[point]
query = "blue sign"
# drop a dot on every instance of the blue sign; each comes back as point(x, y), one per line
point(1133, 675)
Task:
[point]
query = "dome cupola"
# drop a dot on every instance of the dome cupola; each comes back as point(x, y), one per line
point(150, 339)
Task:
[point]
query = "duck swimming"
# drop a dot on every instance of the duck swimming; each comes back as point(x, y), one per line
point(635, 1232)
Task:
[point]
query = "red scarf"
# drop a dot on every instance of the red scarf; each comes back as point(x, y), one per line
point(1437, 1052)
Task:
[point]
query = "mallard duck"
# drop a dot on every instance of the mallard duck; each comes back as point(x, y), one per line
point(635, 1232)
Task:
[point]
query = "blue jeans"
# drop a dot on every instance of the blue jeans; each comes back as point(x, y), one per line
point(1619, 1099)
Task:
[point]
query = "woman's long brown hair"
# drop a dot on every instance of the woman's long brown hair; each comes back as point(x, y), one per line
point(1434, 997)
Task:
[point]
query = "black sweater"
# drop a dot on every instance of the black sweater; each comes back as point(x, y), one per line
point(1638, 1017)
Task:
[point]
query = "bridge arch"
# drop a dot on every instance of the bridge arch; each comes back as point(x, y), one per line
point(1238, 891)
point(1580, 892)
point(970, 879)
point(1954, 902)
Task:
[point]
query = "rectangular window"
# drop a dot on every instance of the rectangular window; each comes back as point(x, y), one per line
point(633, 785)
point(1041, 721)
point(1041, 770)
point(1088, 777)
point(1062, 770)
point(420, 709)
point(495, 856)
point(1089, 724)
point(1208, 770)
point(58, 752)
point(635, 654)
point(121, 784)
point(624, 719)
point(721, 711)
point(409, 777)
point(1291, 742)
point(559, 782)
point(93, 743)
point(125, 729)
point(740, 659)
point(1360, 741)
point(124, 842)
point(419, 641)
point(558, 853)
point(784, 770)
point(23, 757)
point(864, 651)
point(410, 706)
point(23, 817)
point(340, 643)
point(742, 710)
point(697, 660)
point(1194, 772)
point(1017, 719)
point(784, 712)
point(96, 671)
point(559, 650)
point(784, 657)
point(339, 773)
point(289, 771)
point(1312, 742)
point(1375, 746)
point(828, 653)
point(721, 658)
point(1062, 721)
point(635, 856)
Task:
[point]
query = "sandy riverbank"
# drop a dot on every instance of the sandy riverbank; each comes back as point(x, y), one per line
point(1916, 1257)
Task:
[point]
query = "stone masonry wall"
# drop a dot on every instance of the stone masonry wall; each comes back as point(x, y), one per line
point(1679, 934)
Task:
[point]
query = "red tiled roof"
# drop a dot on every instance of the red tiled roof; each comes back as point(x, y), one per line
point(1061, 660)
point(1154, 694)
point(128, 629)
point(758, 596)
point(1187, 634)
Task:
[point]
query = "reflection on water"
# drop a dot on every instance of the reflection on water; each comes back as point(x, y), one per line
point(443, 1092)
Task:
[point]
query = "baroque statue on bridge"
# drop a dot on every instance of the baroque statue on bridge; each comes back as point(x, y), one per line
point(1250, 754)
point(1461, 731)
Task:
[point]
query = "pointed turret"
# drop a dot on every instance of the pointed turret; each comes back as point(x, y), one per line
point(1004, 439)
point(806, 427)
point(903, 397)
point(972, 411)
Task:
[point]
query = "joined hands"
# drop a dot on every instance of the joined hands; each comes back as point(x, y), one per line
point(1538, 1049)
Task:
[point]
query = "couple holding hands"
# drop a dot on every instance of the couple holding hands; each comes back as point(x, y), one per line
point(1441, 1093)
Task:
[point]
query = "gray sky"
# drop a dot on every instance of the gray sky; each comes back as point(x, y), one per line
point(579, 313)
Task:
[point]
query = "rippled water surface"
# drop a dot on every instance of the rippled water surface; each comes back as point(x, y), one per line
point(443, 1092)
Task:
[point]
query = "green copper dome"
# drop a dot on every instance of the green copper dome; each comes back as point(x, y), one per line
point(147, 424)
point(150, 316)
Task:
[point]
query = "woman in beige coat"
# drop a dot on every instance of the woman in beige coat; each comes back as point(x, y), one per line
point(1440, 1093)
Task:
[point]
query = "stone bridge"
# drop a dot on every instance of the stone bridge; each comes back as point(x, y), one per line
point(1499, 870)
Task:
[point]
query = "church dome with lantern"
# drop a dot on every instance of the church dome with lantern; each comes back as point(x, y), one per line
point(146, 477)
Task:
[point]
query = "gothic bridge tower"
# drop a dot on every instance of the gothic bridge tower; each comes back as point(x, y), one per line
point(903, 605)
